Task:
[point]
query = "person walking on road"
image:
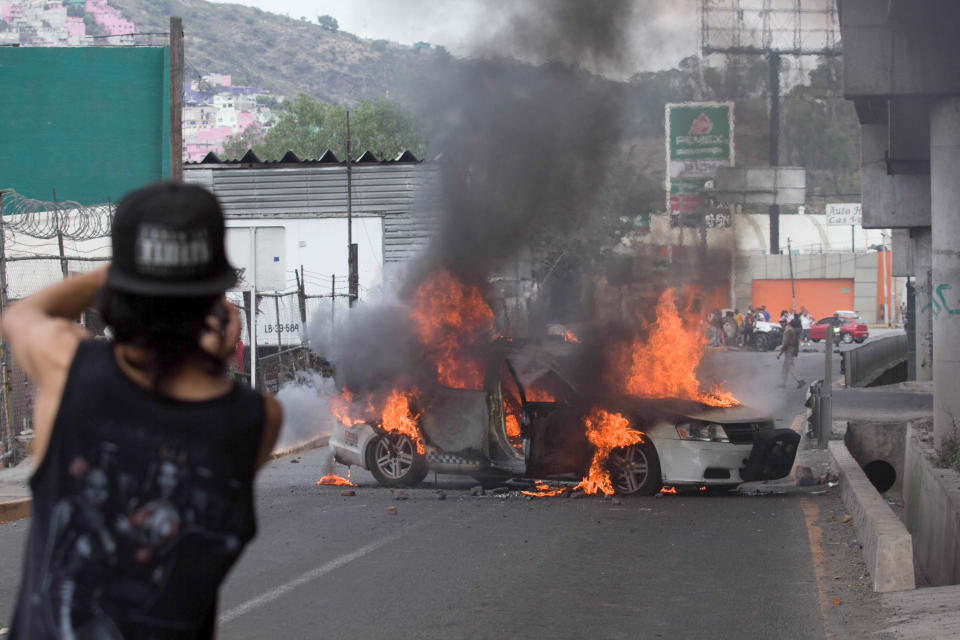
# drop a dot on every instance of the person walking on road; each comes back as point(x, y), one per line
point(146, 451)
point(789, 349)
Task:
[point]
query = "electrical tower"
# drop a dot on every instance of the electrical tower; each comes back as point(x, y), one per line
point(772, 29)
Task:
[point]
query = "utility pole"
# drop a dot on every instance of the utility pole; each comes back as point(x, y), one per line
point(773, 88)
point(353, 278)
point(793, 291)
point(6, 428)
point(56, 217)
point(176, 99)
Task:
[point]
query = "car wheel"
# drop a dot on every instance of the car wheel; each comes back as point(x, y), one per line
point(761, 342)
point(859, 340)
point(814, 339)
point(635, 469)
point(846, 338)
point(393, 460)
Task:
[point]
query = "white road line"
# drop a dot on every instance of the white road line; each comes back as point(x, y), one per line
point(309, 576)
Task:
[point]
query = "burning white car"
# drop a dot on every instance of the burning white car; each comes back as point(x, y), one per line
point(530, 421)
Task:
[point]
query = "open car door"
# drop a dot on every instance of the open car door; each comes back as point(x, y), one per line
point(553, 437)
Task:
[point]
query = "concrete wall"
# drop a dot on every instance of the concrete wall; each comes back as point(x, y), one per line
point(931, 497)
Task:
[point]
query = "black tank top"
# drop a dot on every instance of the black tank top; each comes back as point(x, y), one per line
point(141, 505)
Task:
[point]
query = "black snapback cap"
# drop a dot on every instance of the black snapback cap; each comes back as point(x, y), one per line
point(168, 240)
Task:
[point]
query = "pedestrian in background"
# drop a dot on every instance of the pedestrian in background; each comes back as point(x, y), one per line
point(146, 451)
point(749, 321)
point(806, 320)
point(789, 349)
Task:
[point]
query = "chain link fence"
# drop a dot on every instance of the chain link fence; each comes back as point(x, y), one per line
point(44, 242)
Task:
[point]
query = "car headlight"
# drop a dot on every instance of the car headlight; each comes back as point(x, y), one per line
point(703, 431)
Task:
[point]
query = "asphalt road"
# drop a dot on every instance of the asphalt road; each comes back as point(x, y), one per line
point(683, 566)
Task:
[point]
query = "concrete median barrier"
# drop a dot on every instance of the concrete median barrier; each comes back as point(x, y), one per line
point(887, 545)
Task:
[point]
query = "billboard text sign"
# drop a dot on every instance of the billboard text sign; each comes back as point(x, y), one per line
point(699, 140)
point(848, 214)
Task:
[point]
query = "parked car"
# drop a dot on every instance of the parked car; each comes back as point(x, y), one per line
point(846, 328)
point(465, 431)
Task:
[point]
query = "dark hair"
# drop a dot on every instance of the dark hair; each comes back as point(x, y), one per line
point(795, 322)
point(168, 329)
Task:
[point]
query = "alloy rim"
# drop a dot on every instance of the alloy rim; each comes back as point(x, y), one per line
point(394, 455)
point(628, 469)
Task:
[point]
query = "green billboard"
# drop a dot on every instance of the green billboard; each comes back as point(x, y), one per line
point(89, 122)
point(699, 137)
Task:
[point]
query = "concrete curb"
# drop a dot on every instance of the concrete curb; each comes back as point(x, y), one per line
point(887, 545)
point(16, 509)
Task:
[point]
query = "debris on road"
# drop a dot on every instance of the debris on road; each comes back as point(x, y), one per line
point(441, 494)
point(476, 490)
point(392, 511)
point(335, 480)
point(400, 494)
point(294, 460)
point(846, 518)
point(348, 493)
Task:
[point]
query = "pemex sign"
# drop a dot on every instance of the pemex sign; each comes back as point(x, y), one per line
point(699, 140)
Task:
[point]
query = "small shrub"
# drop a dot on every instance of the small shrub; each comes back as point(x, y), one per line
point(948, 454)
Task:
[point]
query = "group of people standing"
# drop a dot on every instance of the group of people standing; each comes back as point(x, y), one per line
point(796, 330)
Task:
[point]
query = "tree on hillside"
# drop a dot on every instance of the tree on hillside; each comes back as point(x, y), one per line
point(309, 127)
point(328, 22)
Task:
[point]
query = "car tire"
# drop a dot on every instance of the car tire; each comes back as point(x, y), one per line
point(393, 460)
point(635, 470)
point(846, 338)
point(814, 339)
point(859, 340)
point(761, 342)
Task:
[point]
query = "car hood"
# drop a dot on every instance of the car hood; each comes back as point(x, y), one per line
point(673, 409)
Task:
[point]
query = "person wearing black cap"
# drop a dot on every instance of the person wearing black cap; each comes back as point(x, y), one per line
point(146, 451)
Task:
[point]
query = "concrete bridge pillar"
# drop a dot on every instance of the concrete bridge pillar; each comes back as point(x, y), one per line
point(922, 256)
point(945, 282)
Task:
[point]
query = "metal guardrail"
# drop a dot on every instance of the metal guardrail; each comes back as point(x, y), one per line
point(864, 364)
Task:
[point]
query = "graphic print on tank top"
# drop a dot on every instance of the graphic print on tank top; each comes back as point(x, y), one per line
point(136, 536)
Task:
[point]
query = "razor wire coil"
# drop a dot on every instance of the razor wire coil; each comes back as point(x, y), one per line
point(45, 220)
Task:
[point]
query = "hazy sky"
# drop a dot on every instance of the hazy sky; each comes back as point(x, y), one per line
point(664, 31)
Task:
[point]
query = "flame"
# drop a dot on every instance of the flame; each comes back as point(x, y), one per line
point(538, 394)
point(448, 316)
point(668, 490)
point(606, 431)
point(334, 479)
point(346, 412)
point(664, 365)
point(570, 336)
point(543, 490)
point(397, 417)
